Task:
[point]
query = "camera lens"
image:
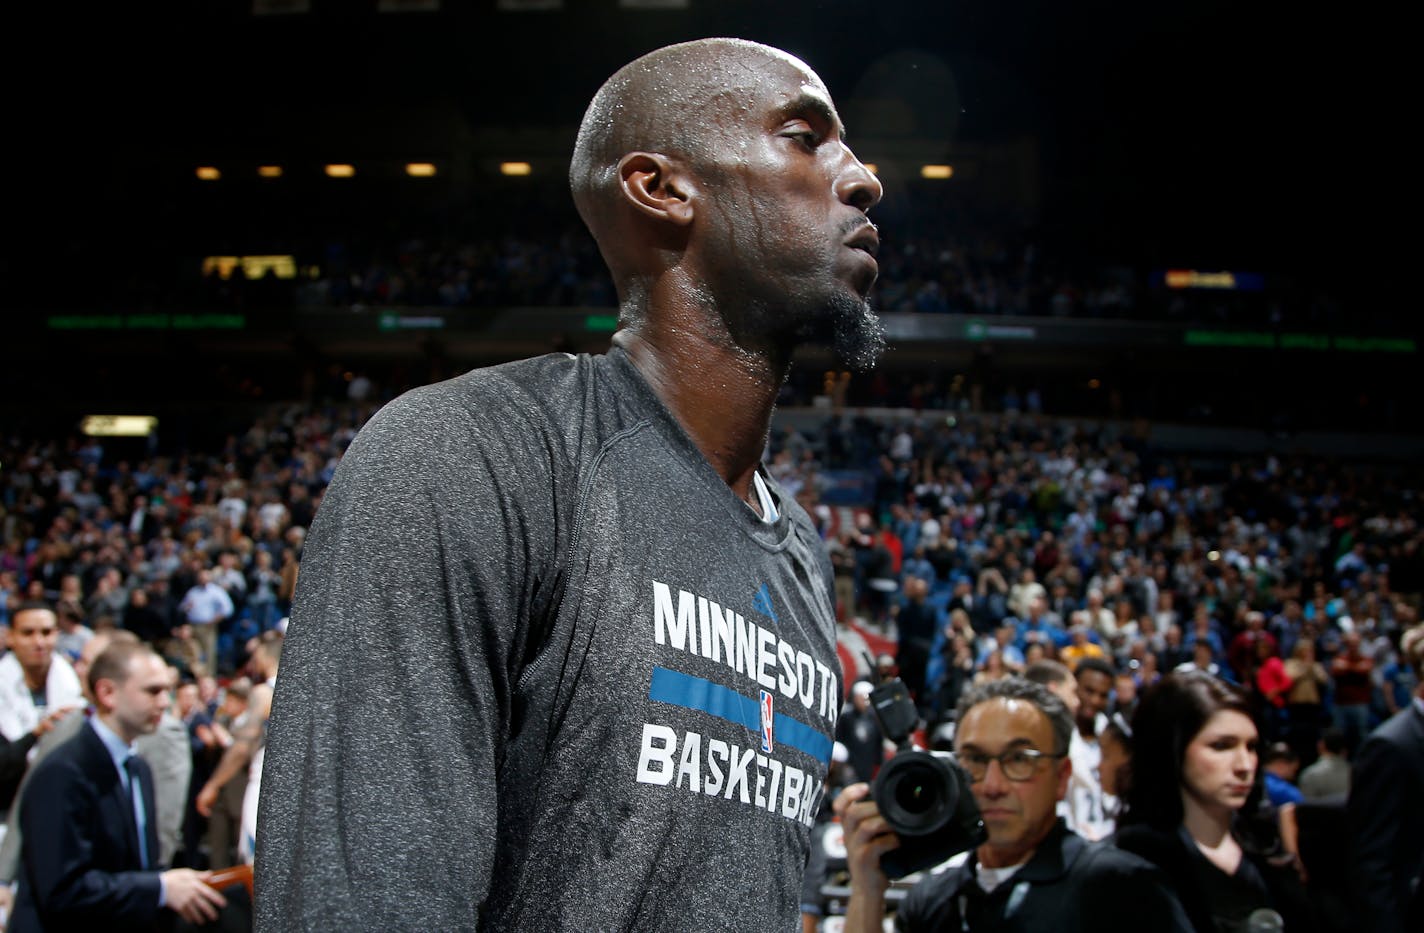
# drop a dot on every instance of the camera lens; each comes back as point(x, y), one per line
point(925, 799)
point(916, 793)
point(914, 796)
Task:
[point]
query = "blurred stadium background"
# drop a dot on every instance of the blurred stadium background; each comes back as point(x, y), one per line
point(1116, 211)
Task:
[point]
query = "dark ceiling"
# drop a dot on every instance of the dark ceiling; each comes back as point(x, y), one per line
point(1210, 133)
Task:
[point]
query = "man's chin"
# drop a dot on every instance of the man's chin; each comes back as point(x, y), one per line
point(858, 336)
point(845, 324)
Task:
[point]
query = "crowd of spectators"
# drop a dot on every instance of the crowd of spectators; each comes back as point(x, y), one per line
point(1004, 544)
point(1079, 539)
point(1006, 538)
point(196, 552)
point(931, 275)
point(983, 542)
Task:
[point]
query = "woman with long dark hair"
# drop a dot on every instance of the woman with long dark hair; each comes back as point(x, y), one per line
point(1193, 806)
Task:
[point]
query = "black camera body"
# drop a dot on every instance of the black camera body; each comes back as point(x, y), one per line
point(924, 796)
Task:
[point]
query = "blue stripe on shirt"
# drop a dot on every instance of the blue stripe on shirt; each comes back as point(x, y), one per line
point(679, 689)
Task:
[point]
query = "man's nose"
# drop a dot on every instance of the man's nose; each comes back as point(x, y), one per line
point(995, 783)
point(857, 185)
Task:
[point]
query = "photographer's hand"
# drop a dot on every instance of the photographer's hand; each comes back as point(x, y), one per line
point(867, 837)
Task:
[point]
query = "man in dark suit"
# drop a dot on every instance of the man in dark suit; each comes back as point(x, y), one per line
point(165, 753)
point(90, 821)
point(1386, 860)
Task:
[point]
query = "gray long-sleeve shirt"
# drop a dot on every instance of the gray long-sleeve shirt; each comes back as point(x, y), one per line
point(546, 671)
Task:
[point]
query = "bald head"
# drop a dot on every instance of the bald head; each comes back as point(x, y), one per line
point(715, 177)
point(675, 102)
point(665, 102)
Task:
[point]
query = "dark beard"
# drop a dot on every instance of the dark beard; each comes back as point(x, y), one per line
point(857, 334)
point(844, 323)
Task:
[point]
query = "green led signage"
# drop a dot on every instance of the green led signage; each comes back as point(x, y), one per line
point(1264, 340)
point(147, 322)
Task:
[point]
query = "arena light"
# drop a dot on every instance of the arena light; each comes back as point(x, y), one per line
point(253, 267)
point(340, 170)
point(515, 168)
point(269, 171)
point(938, 172)
point(118, 425)
point(222, 265)
point(282, 267)
point(420, 169)
point(1191, 278)
point(1222, 280)
point(208, 173)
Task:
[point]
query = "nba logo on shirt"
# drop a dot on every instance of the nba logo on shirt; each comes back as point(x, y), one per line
point(766, 730)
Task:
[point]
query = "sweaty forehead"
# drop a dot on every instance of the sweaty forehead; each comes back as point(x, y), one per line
point(755, 85)
point(717, 81)
point(732, 63)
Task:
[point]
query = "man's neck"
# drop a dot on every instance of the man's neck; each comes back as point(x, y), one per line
point(722, 395)
point(116, 727)
point(36, 678)
point(1004, 857)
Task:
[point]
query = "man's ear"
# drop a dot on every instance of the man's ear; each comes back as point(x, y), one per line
point(104, 692)
point(656, 186)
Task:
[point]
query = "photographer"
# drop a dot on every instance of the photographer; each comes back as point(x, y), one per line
point(1031, 873)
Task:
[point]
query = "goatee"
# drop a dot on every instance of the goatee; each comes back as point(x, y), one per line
point(858, 336)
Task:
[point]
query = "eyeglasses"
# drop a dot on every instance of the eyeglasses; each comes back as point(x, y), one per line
point(1018, 764)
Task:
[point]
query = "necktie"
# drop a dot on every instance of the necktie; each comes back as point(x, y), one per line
point(136, 800)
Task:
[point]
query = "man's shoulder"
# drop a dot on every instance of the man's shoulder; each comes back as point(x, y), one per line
point(73, 755)
point(1405, 727)
point(548, 382)
point(1106, 858)
point(539, 403)
point(64, 730)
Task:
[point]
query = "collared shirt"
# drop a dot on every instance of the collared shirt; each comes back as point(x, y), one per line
point(120, 751)
point(203, 605)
